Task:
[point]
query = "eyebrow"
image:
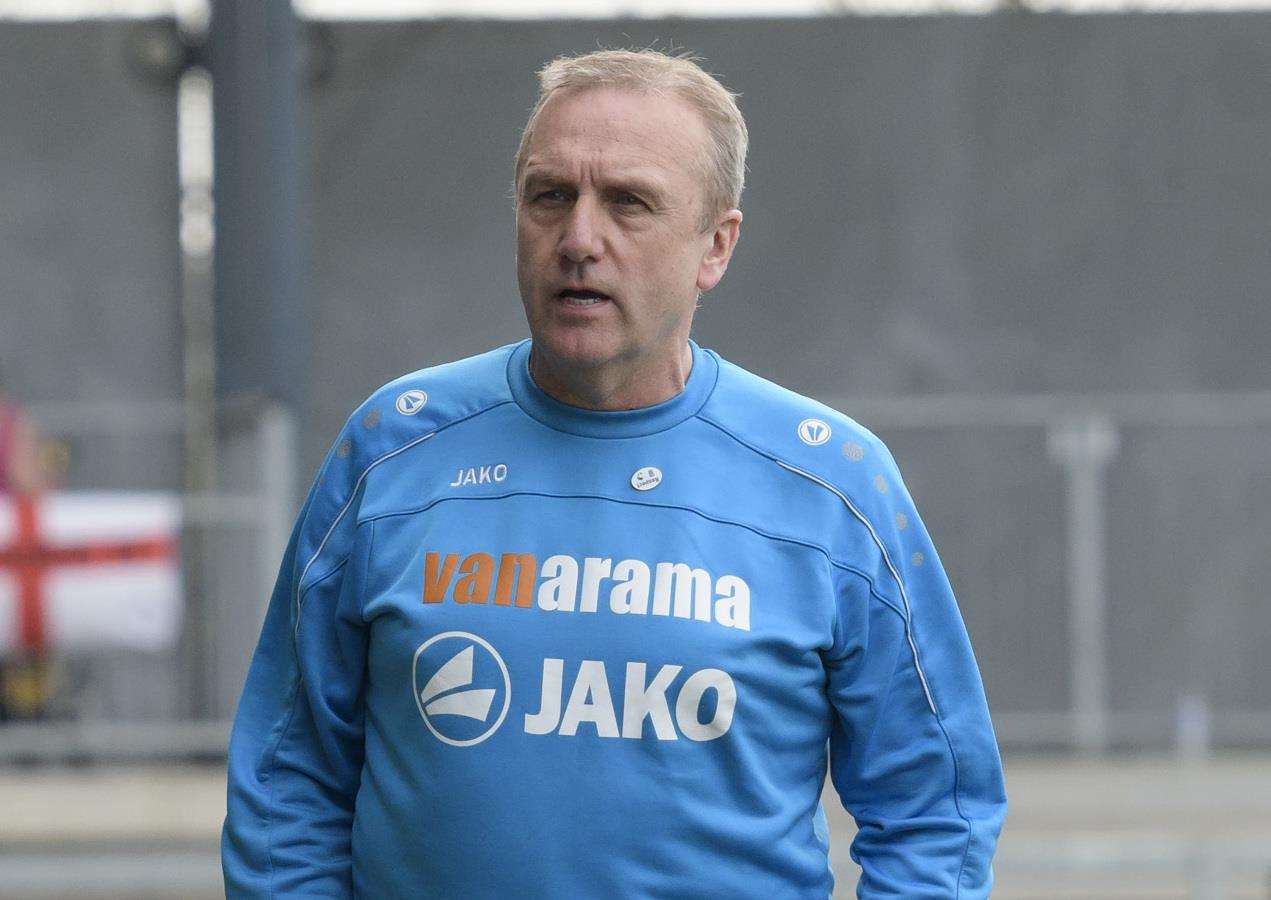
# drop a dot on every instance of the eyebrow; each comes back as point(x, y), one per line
point(633, 183)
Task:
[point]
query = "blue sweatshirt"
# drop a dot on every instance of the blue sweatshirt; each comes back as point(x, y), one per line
point(519, 648)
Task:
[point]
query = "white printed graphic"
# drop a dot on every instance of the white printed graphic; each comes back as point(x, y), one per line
point(411, 402)
point(480, 475)
point(590, 702)
point(646, 479)
point(457, 673)
point(813, 432)
point(442, 696)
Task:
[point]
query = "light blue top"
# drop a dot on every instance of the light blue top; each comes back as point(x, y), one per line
point(519, 648)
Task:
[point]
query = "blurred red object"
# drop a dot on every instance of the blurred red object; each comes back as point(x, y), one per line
point(20, 468)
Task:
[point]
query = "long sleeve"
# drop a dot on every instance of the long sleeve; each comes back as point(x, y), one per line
point(912, 750)
point(296, 751)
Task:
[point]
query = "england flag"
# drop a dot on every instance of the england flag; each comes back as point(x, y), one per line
point(86, 571)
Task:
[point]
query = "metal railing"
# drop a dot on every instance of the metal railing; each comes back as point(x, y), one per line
point(1082, 433)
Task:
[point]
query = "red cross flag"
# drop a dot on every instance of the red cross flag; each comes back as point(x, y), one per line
point(83, 571)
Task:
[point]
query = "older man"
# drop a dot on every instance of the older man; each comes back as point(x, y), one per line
point(589, 614)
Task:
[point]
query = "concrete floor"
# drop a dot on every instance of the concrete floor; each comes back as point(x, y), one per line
point(1077, 830)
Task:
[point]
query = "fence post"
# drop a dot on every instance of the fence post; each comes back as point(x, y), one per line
point(1084, 445)
point(1193, 727)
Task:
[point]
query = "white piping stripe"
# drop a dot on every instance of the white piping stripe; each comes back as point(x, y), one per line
point(887, 559)
point(300, 581)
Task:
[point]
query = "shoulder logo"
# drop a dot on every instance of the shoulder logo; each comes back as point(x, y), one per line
point(463, 677)
point(411, 402)
point(647, 478)
point(814, 432)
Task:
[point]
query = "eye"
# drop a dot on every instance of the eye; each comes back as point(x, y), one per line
point(623, 198)
point(552, 195)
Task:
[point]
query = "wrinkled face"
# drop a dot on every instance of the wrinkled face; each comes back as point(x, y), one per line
point(610, 255)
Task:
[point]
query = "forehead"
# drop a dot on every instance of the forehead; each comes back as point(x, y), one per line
point(616, 127)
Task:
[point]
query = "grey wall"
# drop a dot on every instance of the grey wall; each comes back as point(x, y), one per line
point(89, 302)
point(1003, 204)
point(1012, 203)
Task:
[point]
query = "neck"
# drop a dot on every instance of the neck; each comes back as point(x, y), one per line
point(613, 386)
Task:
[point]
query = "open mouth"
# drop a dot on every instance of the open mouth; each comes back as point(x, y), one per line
point(581, 297)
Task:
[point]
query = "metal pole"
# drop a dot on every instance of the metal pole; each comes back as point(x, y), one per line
point(263, 339)
point(261, 257)
point(194, 135)
point(1084, 446)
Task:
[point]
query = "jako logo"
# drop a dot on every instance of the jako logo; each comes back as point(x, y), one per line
point(462, 678)
point(481, 475)
point(591, 701)
point(814, 432)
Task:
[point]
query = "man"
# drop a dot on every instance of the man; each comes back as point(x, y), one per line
point(588, 615)
point(20, 469)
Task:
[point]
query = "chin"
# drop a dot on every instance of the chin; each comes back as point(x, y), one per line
point(576, 347)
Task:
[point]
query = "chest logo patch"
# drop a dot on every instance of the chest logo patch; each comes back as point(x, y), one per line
point(814, 432)
point(647, 478)
point(411, 402)
point(461, 687)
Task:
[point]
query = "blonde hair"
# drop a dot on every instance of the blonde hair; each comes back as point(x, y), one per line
point(654, 72)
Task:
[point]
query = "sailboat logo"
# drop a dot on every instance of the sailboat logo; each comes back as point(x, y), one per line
point(457, 678)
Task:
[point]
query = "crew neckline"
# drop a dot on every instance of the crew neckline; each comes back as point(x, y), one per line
point(622, 423)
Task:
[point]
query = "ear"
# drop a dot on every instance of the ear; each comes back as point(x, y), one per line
point(723, 239)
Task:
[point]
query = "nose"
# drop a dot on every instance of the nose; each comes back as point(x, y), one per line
point(581, 239)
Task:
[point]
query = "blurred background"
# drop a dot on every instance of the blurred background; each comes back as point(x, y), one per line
point(1026, 243)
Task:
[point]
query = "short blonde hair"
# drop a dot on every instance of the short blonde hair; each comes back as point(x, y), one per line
point(654, 72)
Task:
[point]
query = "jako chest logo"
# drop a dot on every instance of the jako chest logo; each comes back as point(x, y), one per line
point(466, 694)
point(461, 687)
point(480, 475)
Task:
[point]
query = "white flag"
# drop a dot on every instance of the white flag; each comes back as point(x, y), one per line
point(83, 571)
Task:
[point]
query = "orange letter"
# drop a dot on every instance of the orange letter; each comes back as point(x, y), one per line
point(474, 586)
point(435, 583)
point(508, 568)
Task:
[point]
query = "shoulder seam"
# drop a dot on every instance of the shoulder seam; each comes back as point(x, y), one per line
point(873, 588)
point(357, 485)
point(860, 517)
point(904, 595)
point(630, 502)
point(953, 756)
